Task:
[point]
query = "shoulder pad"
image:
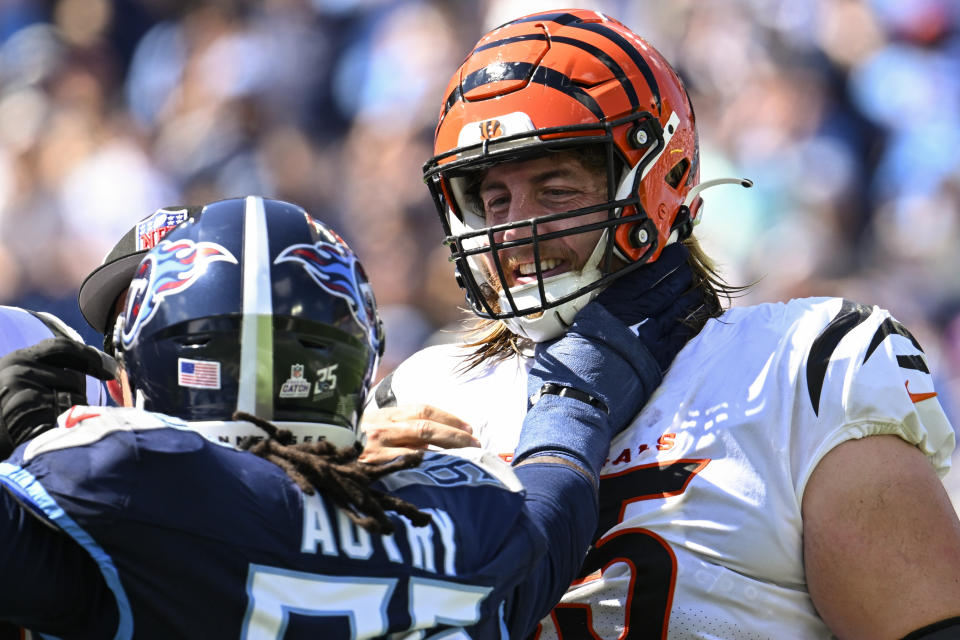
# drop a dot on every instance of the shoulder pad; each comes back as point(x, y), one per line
point(79, 426)
point(455, 467)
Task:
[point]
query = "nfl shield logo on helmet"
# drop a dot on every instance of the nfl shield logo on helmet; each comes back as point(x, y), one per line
point(151, 230)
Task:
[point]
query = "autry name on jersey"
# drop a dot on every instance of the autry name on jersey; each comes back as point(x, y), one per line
point(330, 532)
point(431, 548)
point(326, 529)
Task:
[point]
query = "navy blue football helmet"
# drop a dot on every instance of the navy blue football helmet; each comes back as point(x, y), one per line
point(255, 306)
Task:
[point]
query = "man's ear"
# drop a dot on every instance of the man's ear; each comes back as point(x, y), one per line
point(116, 391)
point(119, 388)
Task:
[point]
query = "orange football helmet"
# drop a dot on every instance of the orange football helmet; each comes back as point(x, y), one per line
point(558, 80)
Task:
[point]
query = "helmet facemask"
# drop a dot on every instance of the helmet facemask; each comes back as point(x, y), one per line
point(544, 307)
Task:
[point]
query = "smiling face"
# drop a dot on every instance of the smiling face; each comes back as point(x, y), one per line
point(521, 190)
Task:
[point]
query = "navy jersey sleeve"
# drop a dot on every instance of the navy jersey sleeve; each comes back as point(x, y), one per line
point(50, 583)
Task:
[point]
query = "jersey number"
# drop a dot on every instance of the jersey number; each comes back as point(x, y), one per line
point(653, 567)
point(276, 593)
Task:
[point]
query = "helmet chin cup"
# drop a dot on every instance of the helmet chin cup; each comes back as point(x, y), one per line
point(553, 322)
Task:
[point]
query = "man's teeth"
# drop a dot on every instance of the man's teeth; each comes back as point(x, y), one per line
point(530, 268)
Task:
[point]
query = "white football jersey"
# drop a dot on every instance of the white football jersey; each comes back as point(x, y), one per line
point(700, 527)
point(22, 328)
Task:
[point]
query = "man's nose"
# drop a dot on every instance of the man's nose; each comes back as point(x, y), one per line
point(522, 208)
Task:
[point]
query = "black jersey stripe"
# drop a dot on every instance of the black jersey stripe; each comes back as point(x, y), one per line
point(916, 363)
point(851, 315)
point(887, 328)
point(383, 395)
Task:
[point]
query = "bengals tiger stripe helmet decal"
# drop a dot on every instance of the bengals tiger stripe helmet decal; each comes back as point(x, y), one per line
point(557, 80)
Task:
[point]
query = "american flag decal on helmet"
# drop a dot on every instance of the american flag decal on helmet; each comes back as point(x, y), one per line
point(336, 270)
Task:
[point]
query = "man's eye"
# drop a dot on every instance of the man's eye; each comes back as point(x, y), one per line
point(498, 202)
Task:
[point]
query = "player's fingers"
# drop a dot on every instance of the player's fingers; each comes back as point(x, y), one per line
point(415, 426)
point(439, 416)
point(417, 433)
point(378, 455)
point(403, 414)
point(70, 354)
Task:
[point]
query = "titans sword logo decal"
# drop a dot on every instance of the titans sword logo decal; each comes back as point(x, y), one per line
point(337, 271)
point(171, 268)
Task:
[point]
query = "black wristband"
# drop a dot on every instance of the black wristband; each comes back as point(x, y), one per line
point(942, 630)
point(569, 392)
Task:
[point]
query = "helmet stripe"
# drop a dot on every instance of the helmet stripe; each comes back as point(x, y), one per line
point(255, 386)
point(541, 75)
point(505, 41)
point(631, 51)
point(610, 63)
point(597, 52)
point(570, 20)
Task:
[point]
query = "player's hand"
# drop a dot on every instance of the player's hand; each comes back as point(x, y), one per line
point(394, 431)
point(619, 345)
point(655, 301)
point(39, 382)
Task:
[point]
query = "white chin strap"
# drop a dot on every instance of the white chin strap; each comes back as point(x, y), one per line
point(554, 321)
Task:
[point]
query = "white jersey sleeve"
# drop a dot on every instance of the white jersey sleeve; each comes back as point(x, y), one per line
point(22, 328)
point(866, 374)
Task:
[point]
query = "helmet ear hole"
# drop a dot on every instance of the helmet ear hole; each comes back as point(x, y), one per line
point(676, 173)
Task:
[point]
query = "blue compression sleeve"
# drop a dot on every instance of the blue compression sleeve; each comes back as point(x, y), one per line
point(567, 427)
point(562, 503)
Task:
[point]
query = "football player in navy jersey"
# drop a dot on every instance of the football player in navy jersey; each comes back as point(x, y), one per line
point(782, 482)
point(225, 499)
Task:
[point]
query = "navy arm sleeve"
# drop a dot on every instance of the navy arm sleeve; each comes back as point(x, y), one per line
point(561, 497)
point(562, 503)
point(50, 583)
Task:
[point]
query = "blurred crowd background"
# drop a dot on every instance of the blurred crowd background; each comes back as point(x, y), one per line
point(845, 113)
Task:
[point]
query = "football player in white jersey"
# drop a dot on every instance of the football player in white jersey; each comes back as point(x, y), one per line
point(782, 482)
point(50, 377)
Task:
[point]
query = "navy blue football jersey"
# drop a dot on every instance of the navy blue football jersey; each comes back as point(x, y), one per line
point(123, 523)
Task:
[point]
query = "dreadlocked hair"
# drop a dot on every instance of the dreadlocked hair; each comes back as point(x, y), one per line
point(337, 474)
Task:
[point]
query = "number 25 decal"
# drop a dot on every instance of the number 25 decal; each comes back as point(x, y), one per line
point(652, 563)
